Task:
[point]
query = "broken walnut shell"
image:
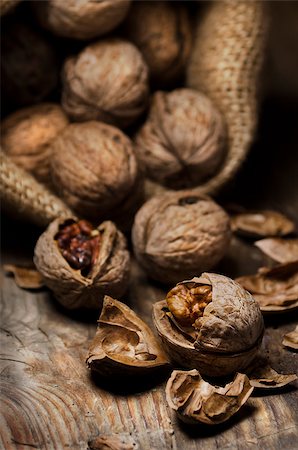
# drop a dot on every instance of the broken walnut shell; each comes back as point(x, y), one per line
point(106, 81)
point(94, 168)
point(195, 400)
point(274, 289)
point(291, 339)
point(26, 137)
point(220, 335)
point(81, 264)
point(279, 249)
point(25, 277)
point(178, 234)
point(182, 143)
point(162, 32)
point(80, 20)
point(123, 344)
point(258, 224)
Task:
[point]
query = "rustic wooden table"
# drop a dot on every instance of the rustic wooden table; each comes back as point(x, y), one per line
point(49, 399)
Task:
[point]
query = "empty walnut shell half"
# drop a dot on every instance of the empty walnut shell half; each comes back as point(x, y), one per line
point(178, 234)
point(258, 224)
point(94, 169)
point(162, 32)
point(182, 143)
point(211, 324)
point(107, 81)
point(279, 249)
point(80, 19)
point(195, 400)
point(123, 344)
point(81, 264)
point(26, 137)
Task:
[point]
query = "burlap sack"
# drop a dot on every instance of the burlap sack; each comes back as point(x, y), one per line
point(22, 196)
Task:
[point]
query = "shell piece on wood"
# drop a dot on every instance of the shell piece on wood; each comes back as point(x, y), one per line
point(225, 335)
point(275, 289)
point(83, 285)
point(258, 224)
point(265, 377)
point(195, 400)
point(25, 277)
point(123, 344)
point(291, 339)
point(279, 249)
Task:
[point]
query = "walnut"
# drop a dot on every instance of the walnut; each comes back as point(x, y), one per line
point(182, 143)
point(81, 264)
point(94, 168)
point(123, 344)
point(178, 234)
point(211, 324)
point(26, 136)
point(106, 81)
point(195, 400)
point(161, 30)
point(80, 19)
point(29, 68)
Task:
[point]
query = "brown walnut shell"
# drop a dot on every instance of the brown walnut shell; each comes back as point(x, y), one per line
point(26, 136)
point(161, 30)
point(94, 168)
point(29, 67)
point(279, 249)
point(123, 344)
point(230, 332)
point(195, 400)
point(107, 81)
point(182, 143)
point(80, 19)
point(258, 224)
point(290, 340)
point(178, 234)
point(109, 273)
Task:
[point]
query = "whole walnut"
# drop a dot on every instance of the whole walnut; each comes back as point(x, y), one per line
point(29, 68)
point(161, 30)
point(179, 234)
point(107, 81)
point(93, 168)
point(182, 143)
point(80, 19)
point(26, 137)
point(210, 323)
point(82, 264)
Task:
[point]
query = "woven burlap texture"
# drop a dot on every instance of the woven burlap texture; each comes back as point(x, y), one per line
point(23, 196)
point(225, 64)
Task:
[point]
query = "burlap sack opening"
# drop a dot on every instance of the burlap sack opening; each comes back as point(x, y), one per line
point(225, 64)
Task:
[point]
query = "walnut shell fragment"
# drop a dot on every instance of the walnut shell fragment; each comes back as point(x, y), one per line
point(211, 324)
point(274, 289)
point(112, 442)
point(94, 169)
point(258, 224)
point(267, 378)
point(25, 277)
point(162, 32)
point(178, 234)
point(27, 134)
point(123, 344)
point(80, 19)
point(291, 339)
point(81, 264)
point(106, 81)
point(195, 400)
point(278, 249)
point(182, 143)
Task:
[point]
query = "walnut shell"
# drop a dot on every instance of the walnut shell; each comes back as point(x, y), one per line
point(123, 344)
point(109, 273)
point(182, 143)
point(7, 5)
point(107, 81)
point(161, 30)
point(80, 20)
point(178, 234)
point(29, 68)
point(93, 168)
point(195, 400)
point(26, 136)
point(229, 333)
point(279, 249)
point(258, 224)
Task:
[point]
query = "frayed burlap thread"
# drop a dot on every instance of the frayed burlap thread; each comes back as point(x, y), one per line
point(24, 197)
point(225, 65)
